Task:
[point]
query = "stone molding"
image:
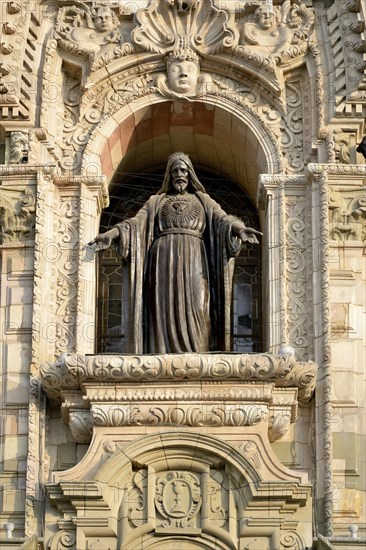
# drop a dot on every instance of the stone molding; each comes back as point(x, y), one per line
point(210, 390)
point(71, 371)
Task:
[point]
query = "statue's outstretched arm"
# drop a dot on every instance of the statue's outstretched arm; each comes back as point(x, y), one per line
point(246, 234)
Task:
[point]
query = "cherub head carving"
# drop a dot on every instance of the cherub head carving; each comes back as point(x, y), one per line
point(105, 20)
point(265, 17)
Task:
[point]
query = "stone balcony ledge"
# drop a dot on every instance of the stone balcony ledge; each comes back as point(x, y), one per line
point(73, 371)
point(187, 390)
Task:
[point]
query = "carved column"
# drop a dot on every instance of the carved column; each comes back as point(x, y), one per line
point(322, 349)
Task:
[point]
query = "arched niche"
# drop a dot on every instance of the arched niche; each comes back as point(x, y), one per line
point(232, 145)
point(232, 141)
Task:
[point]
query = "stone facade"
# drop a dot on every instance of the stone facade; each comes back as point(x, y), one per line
point(259, 451)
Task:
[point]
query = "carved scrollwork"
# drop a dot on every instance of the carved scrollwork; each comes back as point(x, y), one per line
point(292, 541)
point(297, 276)
point(206, 414)
point(178, 498)
point(137, 499)
point(217, 498)
point(251, 451)
point(63, 540)
point(73, 370)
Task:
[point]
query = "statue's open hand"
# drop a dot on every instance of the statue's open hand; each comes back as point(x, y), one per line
point(249, 235)
point(101, 242)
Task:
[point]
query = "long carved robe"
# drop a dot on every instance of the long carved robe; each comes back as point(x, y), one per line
point(180, 266)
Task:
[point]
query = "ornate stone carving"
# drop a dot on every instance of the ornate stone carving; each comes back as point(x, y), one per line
point(67, 274)
point(281, 32)
point(183, 76)
point(85, 32)
point(63, 540)
point(202, 414)
point(297, 277)
point(162, 26)
point(178, 499)
point(17, 215)
point(217, 496)
point(279, 424)
point(80, 425)
point(347, 216)
point(292, 138)
point(70, 371)
point(137, 509)
point(291, 540)
point(18, 148)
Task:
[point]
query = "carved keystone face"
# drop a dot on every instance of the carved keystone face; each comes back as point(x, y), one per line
point(182, 76)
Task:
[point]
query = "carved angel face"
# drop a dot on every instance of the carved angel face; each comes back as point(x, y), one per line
point(266, 18)
point(182, 76)
point(104, 20)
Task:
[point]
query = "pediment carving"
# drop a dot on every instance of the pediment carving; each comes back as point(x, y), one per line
point(173, 484)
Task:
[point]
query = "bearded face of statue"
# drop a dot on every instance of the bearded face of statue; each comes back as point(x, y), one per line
point(180, 176)
point(182, 76)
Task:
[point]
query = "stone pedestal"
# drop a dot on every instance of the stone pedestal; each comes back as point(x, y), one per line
point(179, 451)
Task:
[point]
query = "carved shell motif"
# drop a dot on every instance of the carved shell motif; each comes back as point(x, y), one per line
point(167, 25)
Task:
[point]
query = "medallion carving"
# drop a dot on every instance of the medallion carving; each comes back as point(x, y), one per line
point(178, 499)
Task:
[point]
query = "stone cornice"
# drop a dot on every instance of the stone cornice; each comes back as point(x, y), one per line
point(73, 371)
